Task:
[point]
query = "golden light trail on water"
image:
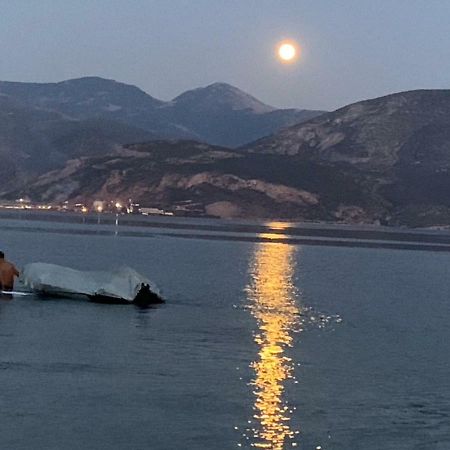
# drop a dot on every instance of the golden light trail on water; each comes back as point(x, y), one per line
point(271, 296)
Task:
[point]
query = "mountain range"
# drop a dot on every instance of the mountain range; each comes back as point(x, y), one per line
point(219, 114)
point(384, 160)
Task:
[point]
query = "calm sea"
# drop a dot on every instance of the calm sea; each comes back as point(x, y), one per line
point(262, 343)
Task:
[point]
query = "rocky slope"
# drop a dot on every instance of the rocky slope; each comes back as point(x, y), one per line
point(399, 144)
point(218, 114)
point(201, 179)
point(167, 174)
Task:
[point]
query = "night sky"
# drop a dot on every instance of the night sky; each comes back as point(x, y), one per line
point(351, 49)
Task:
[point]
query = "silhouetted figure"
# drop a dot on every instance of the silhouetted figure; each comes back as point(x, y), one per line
point(7, 273)
point(146, 297)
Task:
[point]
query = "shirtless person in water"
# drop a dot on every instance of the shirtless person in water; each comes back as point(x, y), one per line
point(7, 274)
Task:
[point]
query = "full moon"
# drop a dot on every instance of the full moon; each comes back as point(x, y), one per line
point(287, 52)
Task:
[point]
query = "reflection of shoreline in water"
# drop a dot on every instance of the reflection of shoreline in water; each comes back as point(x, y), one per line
point(271, 296)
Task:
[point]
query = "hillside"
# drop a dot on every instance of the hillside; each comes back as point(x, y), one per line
point(202, 179)
point(399, 143)
point(224, 115)
point(208, 179)
point(33, 140)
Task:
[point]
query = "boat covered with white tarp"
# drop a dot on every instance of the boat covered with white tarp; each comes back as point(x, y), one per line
point(124, 284)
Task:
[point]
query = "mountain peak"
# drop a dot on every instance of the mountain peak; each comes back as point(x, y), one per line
point(221, 96)
point(77, 91)
point(87, 80)
point(220, 85)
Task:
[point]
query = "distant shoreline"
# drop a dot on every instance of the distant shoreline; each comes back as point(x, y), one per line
point(339, 235)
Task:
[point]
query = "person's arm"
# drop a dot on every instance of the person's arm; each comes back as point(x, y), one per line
point(16, 272)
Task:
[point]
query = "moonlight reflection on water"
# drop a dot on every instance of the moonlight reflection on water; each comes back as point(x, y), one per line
point(272, 301)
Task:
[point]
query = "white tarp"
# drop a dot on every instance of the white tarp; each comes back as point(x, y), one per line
point(123, 283)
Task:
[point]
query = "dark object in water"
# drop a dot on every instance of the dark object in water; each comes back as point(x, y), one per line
point(144, 297)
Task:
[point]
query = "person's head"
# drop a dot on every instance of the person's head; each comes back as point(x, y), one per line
point(2, 255)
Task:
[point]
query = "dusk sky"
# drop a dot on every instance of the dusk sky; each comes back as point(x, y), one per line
point(352, 49)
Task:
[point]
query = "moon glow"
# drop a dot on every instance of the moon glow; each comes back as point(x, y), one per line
point(288, 51)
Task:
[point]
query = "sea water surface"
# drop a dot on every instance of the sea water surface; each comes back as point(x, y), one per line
point(261, 344)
